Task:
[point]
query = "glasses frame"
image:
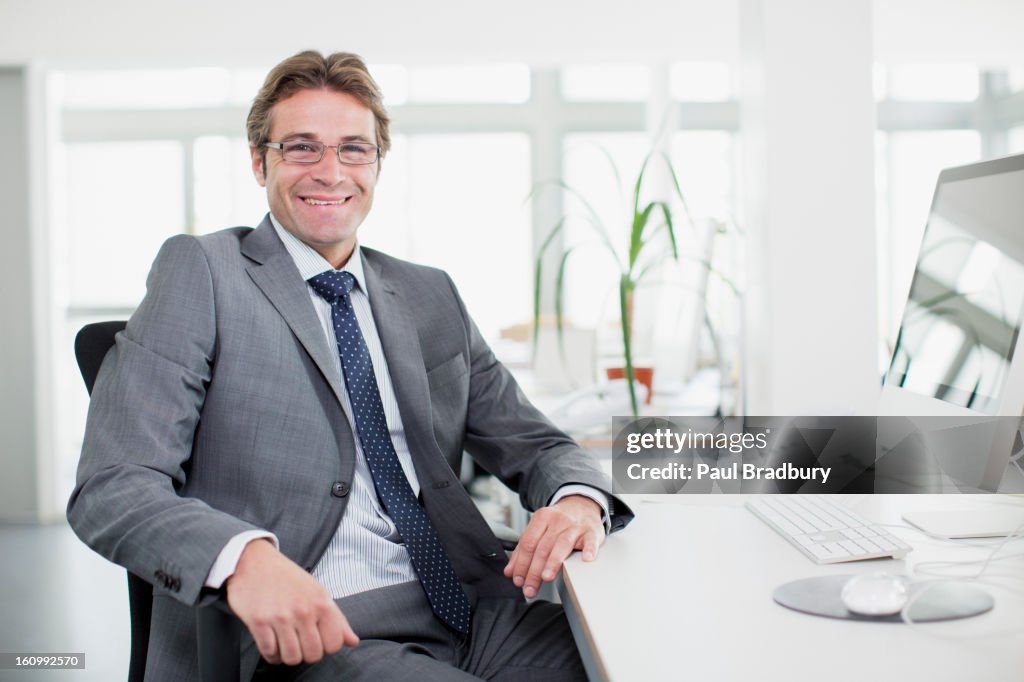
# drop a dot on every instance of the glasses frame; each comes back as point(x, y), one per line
point(323, 151)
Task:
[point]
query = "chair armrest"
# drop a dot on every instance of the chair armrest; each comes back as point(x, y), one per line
point(218, 639)
point(506, 536)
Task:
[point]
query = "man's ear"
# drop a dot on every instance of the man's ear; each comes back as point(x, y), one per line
point(259, 166)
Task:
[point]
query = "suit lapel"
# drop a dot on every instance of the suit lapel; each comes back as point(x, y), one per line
point(274, 272)
point(401, 342)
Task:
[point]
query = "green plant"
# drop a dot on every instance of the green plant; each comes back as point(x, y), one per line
point(653, 239)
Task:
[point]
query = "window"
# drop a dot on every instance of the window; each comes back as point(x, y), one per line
point(933, 82)
point(456, 201)
point(606, 83)
point(225, 190)
point(123, 199)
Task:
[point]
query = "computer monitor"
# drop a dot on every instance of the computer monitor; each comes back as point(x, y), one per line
point(959, 352)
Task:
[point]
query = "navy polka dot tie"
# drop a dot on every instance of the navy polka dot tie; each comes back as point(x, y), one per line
point(435, 571)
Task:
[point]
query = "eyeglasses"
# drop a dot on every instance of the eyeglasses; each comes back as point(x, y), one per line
point(305, 151)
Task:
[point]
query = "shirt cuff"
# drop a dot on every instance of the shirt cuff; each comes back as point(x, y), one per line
point(594, 494)
point(224, 567)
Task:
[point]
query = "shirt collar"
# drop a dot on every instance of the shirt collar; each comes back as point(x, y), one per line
point(310, 263)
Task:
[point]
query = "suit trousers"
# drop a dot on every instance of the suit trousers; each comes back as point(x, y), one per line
point(401, 639)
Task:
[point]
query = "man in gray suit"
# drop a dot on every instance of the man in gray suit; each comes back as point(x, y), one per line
point(282, 419)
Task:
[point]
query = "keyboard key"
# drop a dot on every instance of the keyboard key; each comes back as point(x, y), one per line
point(821, 551)
point(869, 545)
point(851, 547)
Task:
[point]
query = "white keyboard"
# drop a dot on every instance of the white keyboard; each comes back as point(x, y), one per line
point(824, 531)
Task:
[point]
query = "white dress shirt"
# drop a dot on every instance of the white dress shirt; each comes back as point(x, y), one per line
point(366, 551)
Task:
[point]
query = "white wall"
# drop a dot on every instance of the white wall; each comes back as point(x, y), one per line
point(983, 32)
point(808, 125)
point(123, 34)
point(444, 31)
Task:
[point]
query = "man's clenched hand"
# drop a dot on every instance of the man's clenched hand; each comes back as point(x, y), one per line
point(291, 616)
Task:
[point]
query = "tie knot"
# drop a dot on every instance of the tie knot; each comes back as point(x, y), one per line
point(332, 285)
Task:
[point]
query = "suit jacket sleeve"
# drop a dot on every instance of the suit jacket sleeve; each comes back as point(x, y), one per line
point(128, 503)
point(513, 440)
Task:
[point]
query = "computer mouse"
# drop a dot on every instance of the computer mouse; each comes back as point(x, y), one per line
point(875, 594)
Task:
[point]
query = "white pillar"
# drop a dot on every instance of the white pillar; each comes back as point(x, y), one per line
point(808, 124)
point(26, 443)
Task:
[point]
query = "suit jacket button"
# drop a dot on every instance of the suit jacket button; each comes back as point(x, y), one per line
point(340, 488)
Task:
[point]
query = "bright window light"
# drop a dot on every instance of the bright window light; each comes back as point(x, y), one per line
point(148, 89)
point(226, 192)
point(606, 83)
point(939, 82)
point(117, 216)
point(1016, 140)
point(703, 161)
point(457, 202)
point(1015, 78)
point(588, 162)
point(701, 82)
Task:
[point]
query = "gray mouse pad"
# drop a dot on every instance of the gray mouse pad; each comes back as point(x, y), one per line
point(819, 596)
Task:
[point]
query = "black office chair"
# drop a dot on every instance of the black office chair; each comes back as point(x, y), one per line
point(218, 631)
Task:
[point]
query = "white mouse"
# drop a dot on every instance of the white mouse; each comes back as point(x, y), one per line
point(875, 594)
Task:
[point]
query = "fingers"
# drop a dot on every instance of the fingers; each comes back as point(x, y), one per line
point(519, 563)
point(336, 633)
point(304, 640)
point(592, 540)
point(550, 537)
point(266, 642)
point(289, 648)
point(310, 642)
point(296, 621)
point(548, 559)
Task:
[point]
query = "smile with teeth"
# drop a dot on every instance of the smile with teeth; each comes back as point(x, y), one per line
point(321, 202)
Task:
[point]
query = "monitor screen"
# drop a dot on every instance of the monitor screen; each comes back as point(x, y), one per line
point(964, 314)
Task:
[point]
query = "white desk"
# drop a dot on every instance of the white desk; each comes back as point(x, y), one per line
point(684, 593)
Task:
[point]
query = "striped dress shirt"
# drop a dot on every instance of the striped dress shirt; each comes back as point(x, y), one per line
point(366, 551)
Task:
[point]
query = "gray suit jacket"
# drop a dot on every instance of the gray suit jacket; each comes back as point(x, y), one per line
point(218, 411)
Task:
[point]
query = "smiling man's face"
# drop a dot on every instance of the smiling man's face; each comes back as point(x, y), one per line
point(322, 203)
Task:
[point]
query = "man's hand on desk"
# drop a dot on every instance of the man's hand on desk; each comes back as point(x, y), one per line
point(572, 523)
point(291, 616)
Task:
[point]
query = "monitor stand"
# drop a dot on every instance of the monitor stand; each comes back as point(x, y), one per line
point(995, 521)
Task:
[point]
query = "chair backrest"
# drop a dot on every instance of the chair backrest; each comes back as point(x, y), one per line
point(91, 346)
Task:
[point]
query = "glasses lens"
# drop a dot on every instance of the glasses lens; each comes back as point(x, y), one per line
point(302, 152)
point(357, 153)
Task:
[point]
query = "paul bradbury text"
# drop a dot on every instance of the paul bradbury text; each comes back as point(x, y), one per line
point(734, 472)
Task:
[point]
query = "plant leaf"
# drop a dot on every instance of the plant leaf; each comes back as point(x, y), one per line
point(559, 289)
point(675, 185)
point(538, 265)
point(666, 212)
point(625, 290)
point(636, 234)
point(639, 183)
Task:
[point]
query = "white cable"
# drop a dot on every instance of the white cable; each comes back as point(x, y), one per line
point(925, 585)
